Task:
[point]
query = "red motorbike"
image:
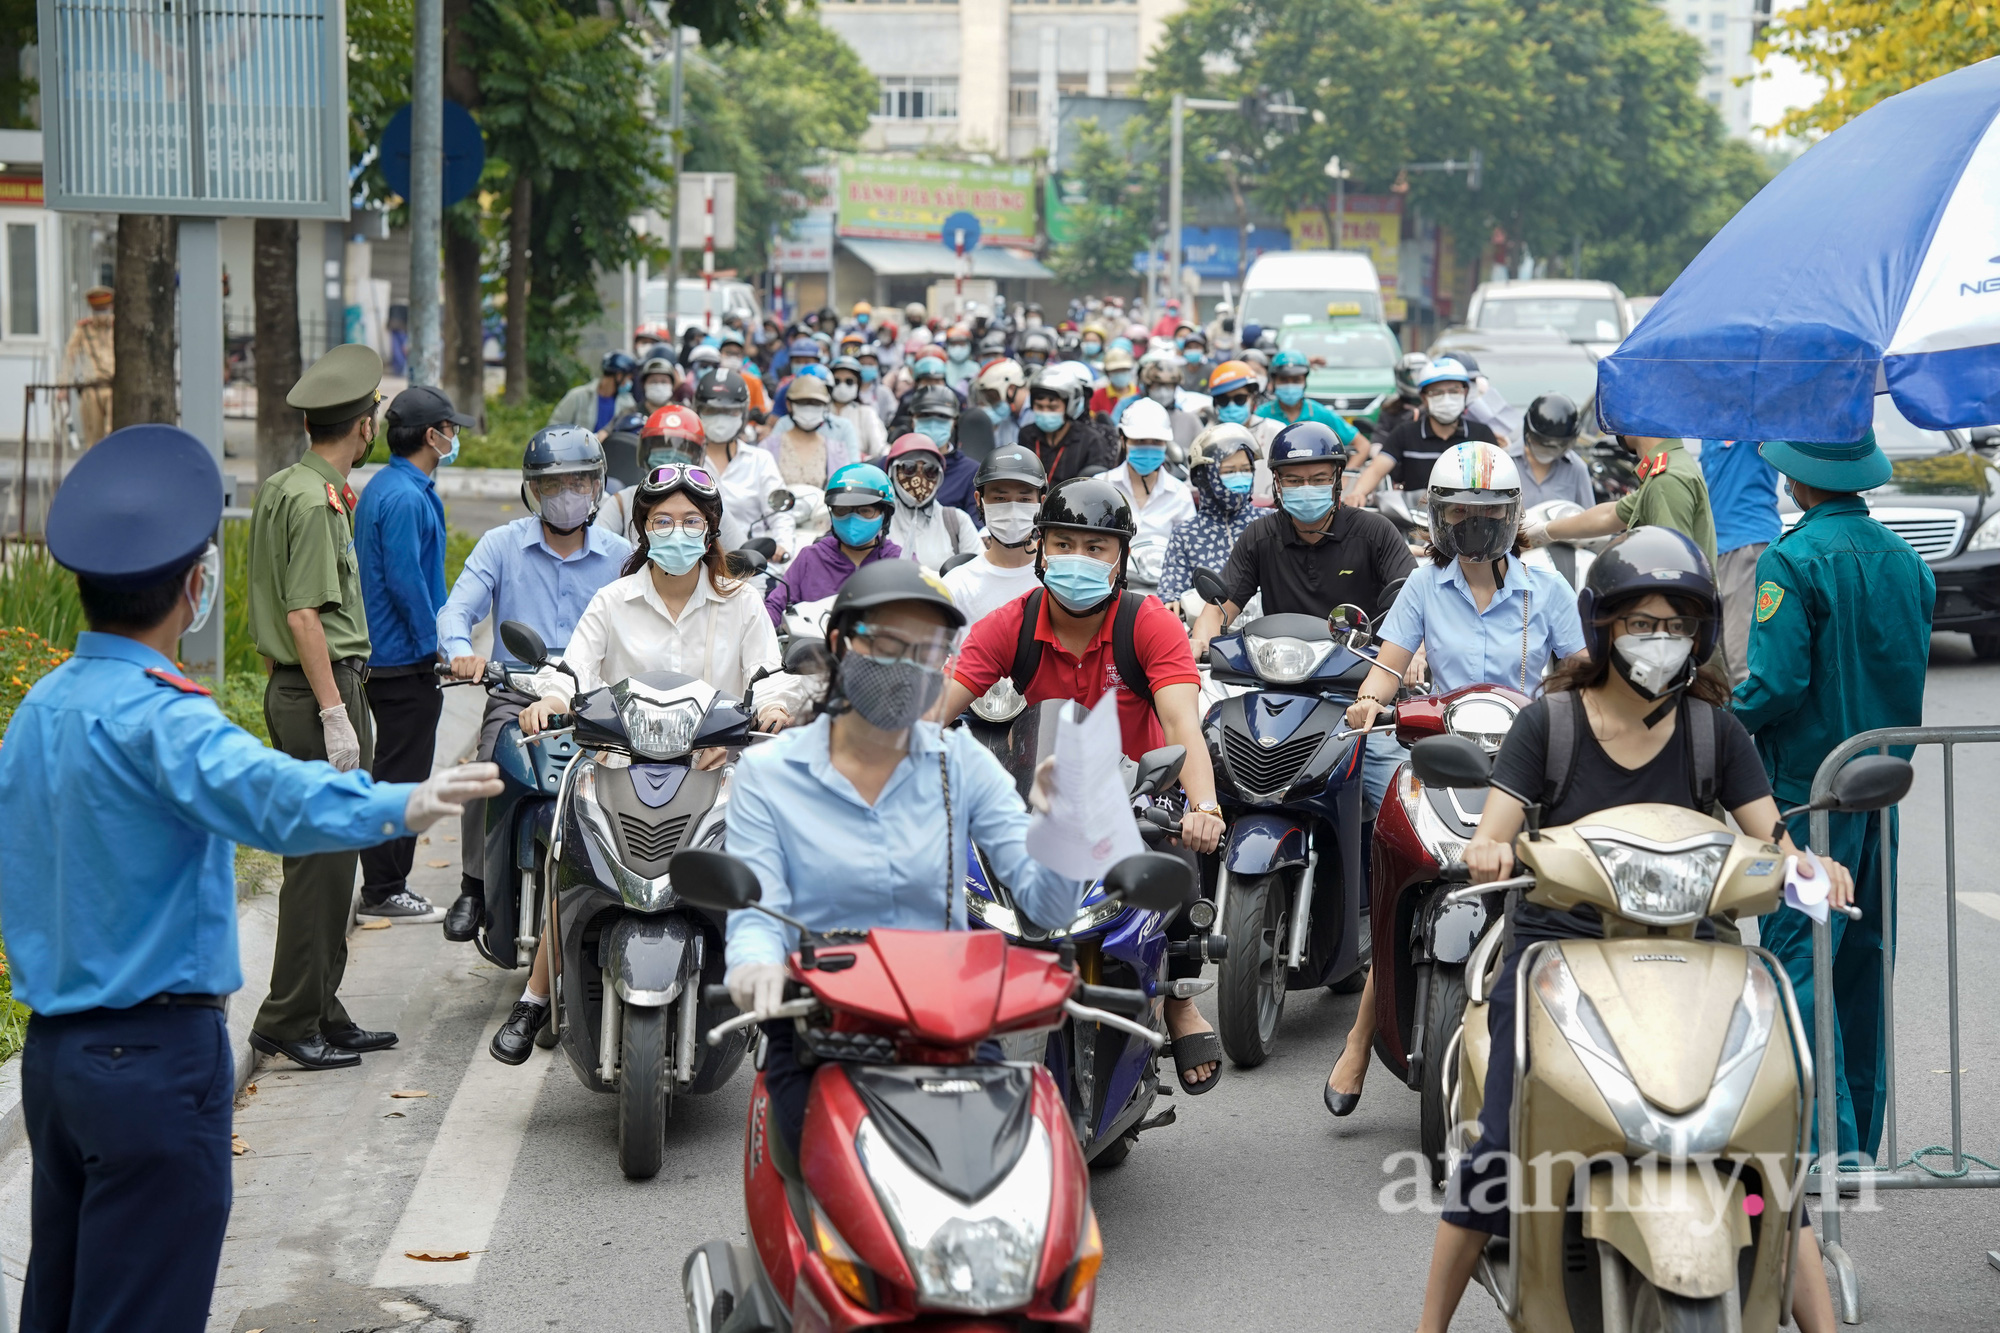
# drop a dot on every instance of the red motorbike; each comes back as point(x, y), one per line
point(930, 1186)
point(1422, 933)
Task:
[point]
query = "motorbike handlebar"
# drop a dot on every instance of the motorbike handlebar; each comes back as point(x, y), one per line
point(1457, 872)
point(1155, 822)
point(717, 997)
point(1113, 999)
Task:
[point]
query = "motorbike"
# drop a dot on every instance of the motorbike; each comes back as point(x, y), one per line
point(1571, 559)
point(1410, 511)
point(1420, 941)
point(629, 954)
point(930, 1187)
point(1148, 552)
point(520, 822)
point(1663, 1086)
point(1107, 1080)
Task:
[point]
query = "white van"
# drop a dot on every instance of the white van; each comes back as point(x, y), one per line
point(1290, 287)
point(729, 297)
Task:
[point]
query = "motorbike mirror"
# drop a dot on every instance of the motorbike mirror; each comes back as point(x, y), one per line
point(1872, 782)
point(808, 657)
point(1176, 455)
point(746, 561)
point(1346, 618)
point(1209, 584)
point(1450, 761)
point(964, 558)
point(1391, 593)
point(714, 880)
point(1985, 437)
point(524, 643)
point(780, 501)
point(1151, 881)
point(1158, 769)
point(764, 546)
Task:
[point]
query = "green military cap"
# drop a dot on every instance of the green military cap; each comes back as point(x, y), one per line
point(340, 386)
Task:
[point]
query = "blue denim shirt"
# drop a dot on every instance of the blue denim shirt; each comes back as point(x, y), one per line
point(122, 796)
point(513, 573)
point(1467, 646)
point(827, 857)
point(399, 542)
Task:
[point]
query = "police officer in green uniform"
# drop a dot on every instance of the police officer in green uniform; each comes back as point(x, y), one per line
point(310, 624)
point(1839, 645)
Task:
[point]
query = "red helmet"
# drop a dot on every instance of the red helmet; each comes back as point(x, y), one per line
point(673, 422)
point(913, 443)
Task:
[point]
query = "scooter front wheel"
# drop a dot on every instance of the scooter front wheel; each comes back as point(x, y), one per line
point(1656, 1311)
point(642, 1093)
point(1443, 1013)
point(1250, 989)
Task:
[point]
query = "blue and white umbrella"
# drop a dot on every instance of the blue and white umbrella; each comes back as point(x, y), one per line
point(1870, 265)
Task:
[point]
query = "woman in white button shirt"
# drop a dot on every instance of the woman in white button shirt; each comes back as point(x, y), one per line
point(1160, 500)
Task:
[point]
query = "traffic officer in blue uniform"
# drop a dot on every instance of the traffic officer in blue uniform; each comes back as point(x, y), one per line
point(1839, 644)
point(123, 790)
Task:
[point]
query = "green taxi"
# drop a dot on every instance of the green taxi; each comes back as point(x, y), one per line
point(1353, 363)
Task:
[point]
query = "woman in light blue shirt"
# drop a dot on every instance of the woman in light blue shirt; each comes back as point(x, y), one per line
point(840, 819)
point(1480, 617)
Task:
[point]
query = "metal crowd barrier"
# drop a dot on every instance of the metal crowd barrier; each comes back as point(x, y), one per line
point(1912, 1173)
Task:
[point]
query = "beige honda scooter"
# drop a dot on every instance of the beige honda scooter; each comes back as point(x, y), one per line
point(1663, 1093)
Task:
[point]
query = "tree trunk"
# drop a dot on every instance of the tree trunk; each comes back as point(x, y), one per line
point(146, 332)
point(464, 331)
point(275, 276)
point(518, 218)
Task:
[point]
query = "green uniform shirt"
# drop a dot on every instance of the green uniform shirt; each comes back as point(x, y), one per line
point(1673, 495)
point(302, 555)
point(1840, 641)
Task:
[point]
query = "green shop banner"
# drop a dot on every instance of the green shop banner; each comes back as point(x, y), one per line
point(908, 199)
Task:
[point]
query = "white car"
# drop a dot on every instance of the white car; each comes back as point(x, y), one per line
point(1592, 313)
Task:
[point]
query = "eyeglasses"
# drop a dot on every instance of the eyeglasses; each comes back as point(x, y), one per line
point(694, 525)
point(866, 509)
point(1685, 627)
point(580, 483)
point(889, 646)
point(677, 476)
point(920, 467)
point(1291, 481)
point(1235, 399)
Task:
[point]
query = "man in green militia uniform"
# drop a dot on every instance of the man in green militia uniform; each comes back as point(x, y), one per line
point(309, 622)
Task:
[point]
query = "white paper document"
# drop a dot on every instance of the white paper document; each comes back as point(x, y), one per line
point(1089, 826)
point(1807, 895)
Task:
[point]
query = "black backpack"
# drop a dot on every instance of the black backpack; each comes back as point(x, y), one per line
point(1700, 728)
point(1124, 656)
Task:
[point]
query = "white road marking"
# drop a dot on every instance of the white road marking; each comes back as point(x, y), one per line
point(458, 1197)
point(1986, 904)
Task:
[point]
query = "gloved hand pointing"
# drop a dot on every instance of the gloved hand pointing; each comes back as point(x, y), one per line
point(757, 988)
point(443, 795)
point(343, 747)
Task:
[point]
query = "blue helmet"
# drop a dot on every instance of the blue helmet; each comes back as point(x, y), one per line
point(1291, 358)
point(1445, 370)
point(1304, 441)
point(616, 363)
point(805, 347)
point(859, 484)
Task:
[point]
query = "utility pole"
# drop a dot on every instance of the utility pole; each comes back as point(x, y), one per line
point(1174, 199)
point(1339, 173)
point(426, 192)
point(674, 218)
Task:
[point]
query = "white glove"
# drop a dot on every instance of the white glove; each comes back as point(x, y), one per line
point(343, 747)
point(757, 988)
point(443, 795)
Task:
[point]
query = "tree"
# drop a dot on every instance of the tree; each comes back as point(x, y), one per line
point(1119, 206)
point(145, 333)
point(1867, 50)
point(17, 33)
point(1640, 266)
point(275, 281)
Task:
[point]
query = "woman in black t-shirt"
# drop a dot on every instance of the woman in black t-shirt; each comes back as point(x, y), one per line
point(1632, 750)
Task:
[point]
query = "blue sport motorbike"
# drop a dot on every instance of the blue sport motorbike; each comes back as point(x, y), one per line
point(1104, 1070)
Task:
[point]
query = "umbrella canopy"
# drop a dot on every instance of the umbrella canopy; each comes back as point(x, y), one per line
point(1870, 265)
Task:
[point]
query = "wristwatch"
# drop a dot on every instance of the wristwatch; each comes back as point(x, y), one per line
point(1207, 808)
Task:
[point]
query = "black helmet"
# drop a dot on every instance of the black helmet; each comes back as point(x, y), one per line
point(1553, 418)
point(1641, 562)
point(933, 400)
point(1090, 504)
point(1012, 462)
point(722, 390)
point(558, 450)
point(616, 363)
point(1411, 367)
point(880, 582)
point(1305, 441)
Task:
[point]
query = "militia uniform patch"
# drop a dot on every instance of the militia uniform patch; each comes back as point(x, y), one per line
point(1769, 598)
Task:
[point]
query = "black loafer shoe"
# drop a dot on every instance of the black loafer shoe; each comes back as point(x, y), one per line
point(314, 1052)
point(516, 1037)
point(353, 1038)
point(1341, 1103)
point(461, 922)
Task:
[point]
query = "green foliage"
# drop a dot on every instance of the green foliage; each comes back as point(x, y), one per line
point(17, 31)
point(1640, 267)
point(380, 38)
point(39, 595)
point(239, 645)
point(242, 702)
point(13, 1015)
point(25, 657)
point(508, 430)
point(1114, 218)
point(458, 544)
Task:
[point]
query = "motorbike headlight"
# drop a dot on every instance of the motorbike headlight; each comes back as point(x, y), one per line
point(1661, 886)
point(1143, 565)
point(1986, 536)
point(1443, 842)
point(1484, 718)
point(1002, 703)
point(660, 730)
point(974, 1257)
point(1285, 660)
point(991, 914)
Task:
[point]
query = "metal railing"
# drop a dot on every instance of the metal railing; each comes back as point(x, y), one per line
point(1900, 1174)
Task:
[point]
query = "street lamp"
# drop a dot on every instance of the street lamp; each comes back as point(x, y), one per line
point(1339, 175)
point(1182, 104)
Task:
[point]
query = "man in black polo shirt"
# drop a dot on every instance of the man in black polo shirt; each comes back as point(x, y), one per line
point(1417, 441)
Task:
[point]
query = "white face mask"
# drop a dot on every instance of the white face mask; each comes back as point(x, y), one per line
point(1012, 524)
point(658, 394)
point(1652, 662)
point(731, 362)
point(1546, 453)
point(843, 392)
point(721, 427)
point(808, 416)
point(1445, 408)
point(1162, 394)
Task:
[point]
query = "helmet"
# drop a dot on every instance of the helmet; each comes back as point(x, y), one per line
point(1411, 367)
point(994, 343)
point(1062, 382)
point(1160, 368)
point(1635, 564)
point(1553, 419)
point(556, 451)
point(852, 338)
point(1145, 419)
point(858, 484)
point(808, 389)
point(847, 363)
point(1037, 342)
point(861, 308)
point(722, 391)
point(1137, 333)
point(882, 582)
point(933, 400)
point(1257, 359)
point(1095, 326)
point(919, 447)
point(805, 347)
point(1289, 358)
point(1304, 441)
point(660, 365)
point(1219, 442)
point(1001, 378)
point(1480, 475)
point(1089, 505)
point(1230, 376)
point(1118, 358)
point(704, 355)
point(1445, 370)
point(914, 313)
point(928, 367)
point(1466, 361)
point(616, 363)
point(673, 422)
point(1012, 462)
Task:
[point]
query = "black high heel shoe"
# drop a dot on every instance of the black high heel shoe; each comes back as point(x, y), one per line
point(1340, 1103)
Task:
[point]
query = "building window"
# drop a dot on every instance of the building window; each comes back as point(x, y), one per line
point(24, 310)
point(1715, 46)
point(1718, 21)
point(1715, 99)
point(917, 97)
point(1694, 20)
point(1024, 101)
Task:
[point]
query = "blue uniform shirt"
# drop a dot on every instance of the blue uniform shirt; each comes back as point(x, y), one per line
point(513, 573)
point(827, 857)
point(399, 541)
point(1467, 646)
point(1742, 494)
point(121, 798)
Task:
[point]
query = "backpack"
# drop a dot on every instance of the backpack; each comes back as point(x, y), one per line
point(1700, 727)
point(1124, 655)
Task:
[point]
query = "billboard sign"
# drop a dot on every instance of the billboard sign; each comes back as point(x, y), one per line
point(1372, 224)
point(907, 199)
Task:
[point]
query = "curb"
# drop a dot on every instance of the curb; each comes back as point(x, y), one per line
point(457, 483)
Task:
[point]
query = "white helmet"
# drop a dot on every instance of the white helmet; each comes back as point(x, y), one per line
point(1475, 502)
point(1000, 378)
point(1144, 419)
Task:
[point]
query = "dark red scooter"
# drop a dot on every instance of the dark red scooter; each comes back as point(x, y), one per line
point(929, 1187)
point(1421, 939)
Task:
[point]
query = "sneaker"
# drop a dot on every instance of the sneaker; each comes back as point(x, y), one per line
point(401, 903)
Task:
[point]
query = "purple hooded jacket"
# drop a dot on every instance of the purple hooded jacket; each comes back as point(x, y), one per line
point(818, 571)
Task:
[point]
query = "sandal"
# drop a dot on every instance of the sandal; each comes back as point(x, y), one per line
point(1192, 1052)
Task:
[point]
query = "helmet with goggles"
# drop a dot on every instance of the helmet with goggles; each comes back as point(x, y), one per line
point(1475, 502)
point(668, 478)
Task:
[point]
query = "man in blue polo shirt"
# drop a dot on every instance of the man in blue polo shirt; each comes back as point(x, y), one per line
point(1743, 496)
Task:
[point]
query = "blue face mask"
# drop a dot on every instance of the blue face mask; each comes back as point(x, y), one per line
point(1049, 422)
point(958, 351)
point(1120, 379)
point(446, 460)
point(869, 374)
point(1145, 459)
point(1077, 581)
point(1092, 348)
point(1239, 482)
point(1308, 504)
point(675, 551)
point(997, 413)
point(856, 530)
point(935, 429)
point(1291, 395)
point(862, 320)
point(1233, 413)
point(1193, 355)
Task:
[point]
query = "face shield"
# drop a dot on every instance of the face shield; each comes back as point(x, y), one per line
point(1474, 525)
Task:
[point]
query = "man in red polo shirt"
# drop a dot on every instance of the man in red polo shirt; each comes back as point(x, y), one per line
point(1085, 526)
